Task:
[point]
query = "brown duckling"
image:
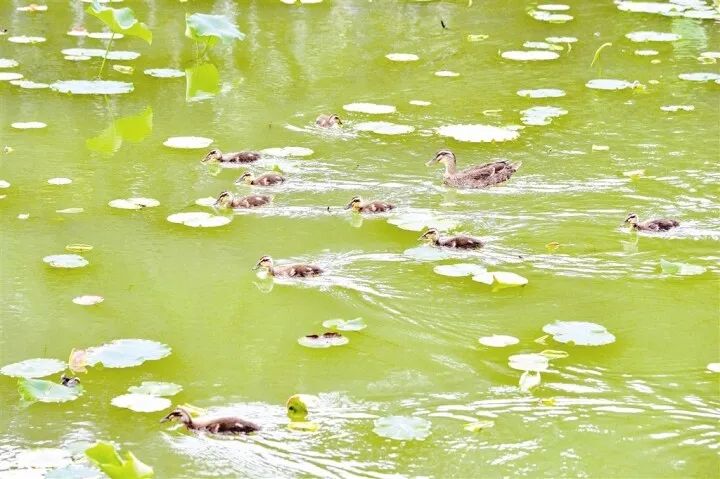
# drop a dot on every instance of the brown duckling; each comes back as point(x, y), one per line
point(459, 241)
point(480, 176)
point(228, 200)
point(267, 179)
point(288, 270)
point(358, 206)
point(328, 121)
point(235, 157)
point(660, 224)
point(221, 425)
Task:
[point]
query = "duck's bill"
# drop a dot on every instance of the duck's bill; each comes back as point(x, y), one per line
point(256, 267)
point(348, 206)
point(165, 419)
point(431, 162)
point(422, 237)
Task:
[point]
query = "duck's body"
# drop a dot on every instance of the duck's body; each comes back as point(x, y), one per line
point(235, 157)
point(659, 224)
point(481, 176)
point(221, 425)
point(358, 206)
point(228, 200)
point(328, 121)
point(267, 179)
point(288, 270)
point(457, 241)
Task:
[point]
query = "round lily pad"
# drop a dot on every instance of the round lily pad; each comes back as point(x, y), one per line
point(126, 353)
point(530, 55)
point(553, 7)
point(384, 128)
point(156, 388)
point(188, 142)
point(498, 341)
point(561, 39)
point(76, 58)
point(66, 261)
point(649, 7)
point(197, 219)
point(164, 73)
point(446, 73)
point(7, 76)
point(459, 270)
point(28, 125)
point(88, 300)
point(547, 16)
point(287, 151)
point(477, 133)
point(356, 324)
point(92, 87)
point(500, 278)
point(4, 184)
point(100, 52)
point(646, 53)
point(610, 84)
point(700, 77)
point(49, 457)
point(420, 103)
point(529, 362)
point(32, 8)
point(402, 57)
point(674, 108)
point(29, 85)
point(59, 181)
point(542, 93)
point(713, 367)
point(371, 108)
point(652, 37)
point(580, 333)
point(541, 115)
point(8, 63)
point(26, 39)
point(47, 391)
point(542, 46)
point(402, 428)
point(78, 247)
point(133, 203)
point(325, 340)
point(141, 402)
point(33, 368)
point(69, 211)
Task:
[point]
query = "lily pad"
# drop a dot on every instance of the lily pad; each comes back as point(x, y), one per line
point(43, 457)
point(649, 7)
point(542, 93)
point(28, 125)
point(325, 340)
point(4, 184)
point(29, 85)
point(580, 333)
point(446, 73)
point(156, 388)
point(699, 77)
point(402, 428)
point(459, 270)
point(529, 362)
point(420, 103)
point(477, 133)
point(7, 76)
point(370, 108)
point(356, 324)
point(196, 219)
point(287, 151)
point(188, 142)
point(713, 367)
point(561, 39)
point(384, 128)
point(126, 353)
point(104, 35)
point(211, 28)
point(547, 16)
point(73, 471)
point(78, 247)
point(303, 426)
point(652, 36)
point(33, 368)
point(610, 84)
point(134, 203)
point(498, 341)
point(542, 46)
point(92, 87)
point(8, 63)
point(646, 53)
point(554, 354)
point(117, 55)
point(553, 7)
point(674, 108)
point(66, 261)
point(59, 181)
point(39, 390)
point(88, 300)
point(500, 278)
point(541, 115)
point(26, 39)
point(402, 57)
point(164, 73)
point(141, 402)
point(681, 269)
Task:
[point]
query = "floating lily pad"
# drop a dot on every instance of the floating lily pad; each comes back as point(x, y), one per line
point(325, 340)
point(66, 261)
point(78, 361)
point(542, 93)
point(33, 368)
point(634, 174)
point(421, 221)
point(547, 16)
point(649, 7)
point(99, 53)
point(32, 8)
point(59, 181)
point(164, 73)
point(188, 142)
point(610, 84)
point(104, 35)
point(88, 300)
point(580, 333)
point(92, 87)
point(681, 269)
point(303, 426)
point(477, 37)
point(500, 278)
point(28, 125)
point(371, 108)
point(674, 108)
point(29, 85)
point(39, 390)
point(713, 367)
point(652, 37)
point(76, 58)
point(124, 69)
point(476, 133)
point(141, 402)
point(43, 457)
point(498, 341)
point(541, 115)
point(554, 354)
point(7, 76)
point(384, 128)
point(561, 39)
point(402, 428)
point(197, 219)
point(26, 39)
point(700, 77)
point(529, 362)
point(542, 46)
point(4, 184)
point(446, 73)
point(420, 103)
point(8, 63)
point(287, 151)
point(356, 324)
point(134, 203)
point(646, 53)
point(126, 353)
point(553, 7)
point(402, 57)
point(156, 388)
point(459, 270)
point(477, 426)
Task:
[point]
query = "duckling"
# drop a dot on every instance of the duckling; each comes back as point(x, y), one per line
point(69, 381)
point(267, 179)
point(221, 425)
point(228, 200)
point(480, 176)
point(236, 157)
point(660, 224)
point(458, 241)
point(328, 121)
point(358, 206)
point(288, 270)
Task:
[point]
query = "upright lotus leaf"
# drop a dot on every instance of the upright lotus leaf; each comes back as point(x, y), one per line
point(201, 82)
point(402, 428)
point(39, 390)
point(121, 20)
point(107, 458)
point(209, 28)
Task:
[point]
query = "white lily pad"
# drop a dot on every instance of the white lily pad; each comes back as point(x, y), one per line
point(7, 76)
point(188, 142)
point(646, 53)
point(529, 362)
point(580, 333)
point(29, 85)
point(610, 84)
point(530, 55)
point(402, 428)
point(32, 8)
point(39, 390)
point(370, 108)
point(141, 402)
point(28, 125)
point(477, 133)
point(420, 103)
point(156, 388)
point(702, 14)
point(322, 341)
point(164, 73)
point(207, 201)
point(646, 36)
point(553, 7)
point(700, 77)
point(674, 108)
point(8, 63)
point(287, 151)
point(124, 69)
point(649, 7)
point(196, 219)
point(459, 270)
point(59, 181)
point(561, 39)
point(446, 73)
point(92, 87)
point(88, 300)
point(713, 367)
point(76, 58)
point(33, 368)
point(126, 353)
point(500, 278)
point(542, 46)
point(498, 340)
point(73, 471)
point(542, 93)
point(133, 203)
point(100, 52)
point(105, 35)
point(681, 269)
point(541, 115)
point(421, 221)
point(356, 324)
point(26, 39)
point(384, 128)
point(66, 261)
point(4, 184)
point(547, 16)
point(402, 57)
point(23, 216)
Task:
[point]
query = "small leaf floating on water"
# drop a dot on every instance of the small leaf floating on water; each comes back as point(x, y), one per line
point(33, 368)
point(646, 53)
point(7, 76)
point(33, 8)
point(67, 261)
point(40, 390)
point(542, 93)
point(26, 40)
point(156, 388)
point(541, 115)
point(446, 73)
point(117, 55)
point(402, 57)
point(78, 248)
point(477, 37)
point(369, 108)
point(8, 63)
point(124, 69)
point(459, 269)
point(713, 367)
point(164, 73)
point(681, 269)
point(699, 77)
point(141, 402)
point(303, 426)
point(384, 128)
point(105, 35)
point(133, 203)
point(478, 426)
point(500, 278)
point(478, 133)
point(612, 84)
point(600, 148)
point(554, 354)
point(321, 341)
point(420, 103)
point(674, 108)
point(188, 142)
point(196, 219)
point(23, 216)
point(634, 174)
point(542, 339)
point(126, 353)
point(29, 85)
point(580, 333)
point(287, 151)
point(645, 36)
point(402, 428)
point(498, 341)
point(561, 39)
point(529, 380)
point(529, 362)
point(88, 300)
point(28, 125)
point(4, 184)
point(59, 181)
point(92, 87)
point(552, 246)
point(356, 324)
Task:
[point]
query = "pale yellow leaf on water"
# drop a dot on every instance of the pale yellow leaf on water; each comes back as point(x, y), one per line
point(634, 173)
point(303, 426)
point(78, 247)
point(542, 339)
point(479, 425)
point(552, 246)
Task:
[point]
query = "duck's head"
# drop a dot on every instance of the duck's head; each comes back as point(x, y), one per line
point(213, 155)
point(224, 200)
point(266, 263)
point(431, 235)
point(245, 178)
point(334, 120)
point(354, 203)
point(632, 219)
point(442, 156)
point(178, 414)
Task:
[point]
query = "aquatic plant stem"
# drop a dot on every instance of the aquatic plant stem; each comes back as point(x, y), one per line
point(596, 57)
point(107, 50)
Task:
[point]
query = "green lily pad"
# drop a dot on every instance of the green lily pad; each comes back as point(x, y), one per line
point(580, 333)
point(141, 402)
point(39, 390)
point(542, 93)
point(33, 368)
point(92, 87)
point(321, 341)
point(121, 20)
point(554, 354)
point(211, 28)
point(126, 353)
point(107, 458)
point(402, 428)
point(459, 270)
point(529, 362)
point(156, 388)
point(66, 261)
point(356, 324)
point(681, 269)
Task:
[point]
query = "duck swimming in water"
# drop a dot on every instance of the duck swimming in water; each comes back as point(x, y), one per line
point(221, 425)
point(267, 179)
point(357, 205)
point(328, 121)
point(660, 224)
point(235, 157)
point(288, 270)
point(433, 237)
point(480, 176)
point(228, 200)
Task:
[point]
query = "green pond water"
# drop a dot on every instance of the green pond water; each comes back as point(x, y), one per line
point(643, 406)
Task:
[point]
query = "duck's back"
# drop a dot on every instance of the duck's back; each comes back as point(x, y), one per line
point(660, 224)
point(461, 242)
point(268, 179)
point(482, 176)
point(304, 270)
point(251, 201)
point(230, 425)
point(241, 157)
point(377, 207)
